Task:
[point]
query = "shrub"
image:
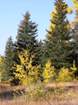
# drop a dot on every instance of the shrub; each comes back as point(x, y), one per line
point(34, 73)
point(49, 72)
point(2, 68)
point(20, 74)
point(64, 75)
point(74, 71)
point(25, 72)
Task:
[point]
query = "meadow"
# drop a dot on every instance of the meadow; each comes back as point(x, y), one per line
point(49, 94)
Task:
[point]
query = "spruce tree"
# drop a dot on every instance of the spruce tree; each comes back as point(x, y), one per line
point(26, 38)
point(74, 41)
point(9, 62)
point(57, 41)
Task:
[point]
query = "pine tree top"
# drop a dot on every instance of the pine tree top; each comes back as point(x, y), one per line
point(59, 24)
point(27, 26)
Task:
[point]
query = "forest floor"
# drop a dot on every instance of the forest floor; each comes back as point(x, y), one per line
point(55, 94)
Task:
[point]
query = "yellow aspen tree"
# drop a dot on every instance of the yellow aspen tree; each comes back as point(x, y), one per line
point(49, 72)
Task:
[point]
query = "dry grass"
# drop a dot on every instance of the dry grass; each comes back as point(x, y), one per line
point(66, 94)
point(21, 101)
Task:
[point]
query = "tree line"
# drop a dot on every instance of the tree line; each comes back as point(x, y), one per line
point(28, 60)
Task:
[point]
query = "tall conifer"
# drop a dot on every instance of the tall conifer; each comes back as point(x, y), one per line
point(74, 41)
point(9, 55)
point(26, 38)
point(57, 41)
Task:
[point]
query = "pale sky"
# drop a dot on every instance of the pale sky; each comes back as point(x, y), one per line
point(12, 11)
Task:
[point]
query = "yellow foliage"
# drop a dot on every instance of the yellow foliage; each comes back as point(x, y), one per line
point(1, 59)
point(34, 72)
point(1, 67)
point(52, 14)
point(49, 72)
point(52, 26)
point(64, 75)
point(25, 72)
point(20, 74)
point(75, 3)
point(24, 57)
point(74, 68)
point(69, 10)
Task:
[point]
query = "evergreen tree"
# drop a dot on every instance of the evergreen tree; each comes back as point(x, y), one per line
point(40, 53)
point(26, 38)
point(57, 42)
point(74, 41)
point(9, 54)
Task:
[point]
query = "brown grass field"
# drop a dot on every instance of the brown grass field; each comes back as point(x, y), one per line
point(56, 94)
